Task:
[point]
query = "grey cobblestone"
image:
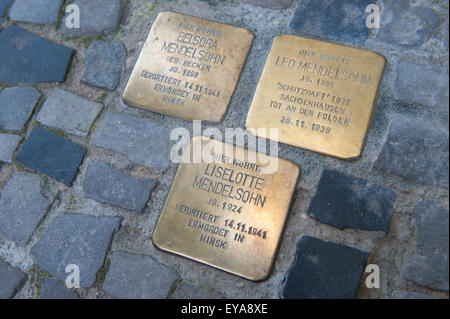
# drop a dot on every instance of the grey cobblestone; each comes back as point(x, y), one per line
point(428, 265)
point(346, 201)
point(23, 203)
point(324, 270)
point(8, 144)
point(75, 239)
point(35, 11)
point(104, 63)
point(339, 19)
point(423, 84)
point(405, 25)
point(55, 289)
point(34, 60)
point(16, 105)
point(189, 291)
point(11, 280)
point(114, 187)
point(69, 112)
point(415, 150)
point(3, 6)
point(133, 276)
point(402, 294)
point(142, 141)
point(99, 17)
point(271, 4)
point(51, 154)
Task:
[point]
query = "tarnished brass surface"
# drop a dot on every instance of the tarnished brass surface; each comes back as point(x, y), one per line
point(188, 67)
point(320, 95)
point(222, 226)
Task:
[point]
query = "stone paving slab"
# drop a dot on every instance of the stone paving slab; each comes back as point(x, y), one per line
point(138, 277)
point(3, 6)
point(8, 144)
point(403, 294)
point(142, 141)
point(324, 270)
point(346, 201)
point(189, 291)
point(415, 150)
point(29, 58)
point(428, 264)
point(104, 63)
point(69, 112)
point(422, 84)
point(35, 11)
point(11, 280)
point(271, 4)
point(23, 203)
point(406, 26)
point(75, 239)
point(111, 186)
point(51, 154)
point(99, 17)
point(338, 20)
point(16, 105)
point(55, 289)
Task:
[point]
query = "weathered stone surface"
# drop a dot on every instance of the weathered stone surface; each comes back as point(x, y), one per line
point(8, 144)
point(432, 230)
point(428, 264)
point(406, 26)
point(75, 239)
point(138, 277)
point(3, 6)
point(339, 19)
point(111, 186)
point(104, 62)
point(55, 289)
point(142, 141)
point(69, 112)
point(35, 11)
point(28, 58)
point(422, 84)
point(50, 154)
point(345, 201)
point(403, 294)
point(271, 4)
point(415, 150)
point(186, 290)
point(324, 270)
point(11, 280)
point(98, 17)
point(23, 203)
point(16, 105)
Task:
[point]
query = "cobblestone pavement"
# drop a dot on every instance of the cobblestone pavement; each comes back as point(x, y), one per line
point(83, 177)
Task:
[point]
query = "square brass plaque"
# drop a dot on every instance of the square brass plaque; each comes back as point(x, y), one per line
point(188, 67)
point(226, 213)
point(319, 95)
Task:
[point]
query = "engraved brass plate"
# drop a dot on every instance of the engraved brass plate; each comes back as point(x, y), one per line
point(319, 95)
point(188, 67)
point(225, 212)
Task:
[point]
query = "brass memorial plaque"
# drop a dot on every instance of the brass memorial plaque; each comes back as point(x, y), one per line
point(226, 212)
point(319, 95)
point(188, 67)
